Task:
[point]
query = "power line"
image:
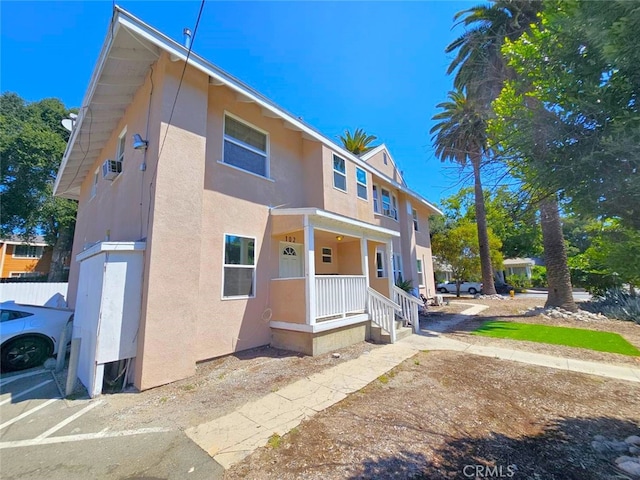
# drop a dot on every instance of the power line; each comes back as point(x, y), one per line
point(175, 100)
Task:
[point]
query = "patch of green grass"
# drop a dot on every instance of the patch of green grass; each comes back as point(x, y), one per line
point(571, 337)
point(274, 441)
point(384, 379)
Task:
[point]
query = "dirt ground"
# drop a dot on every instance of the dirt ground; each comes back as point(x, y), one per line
point(219, 387)
point(428, 418)
point(442, 415)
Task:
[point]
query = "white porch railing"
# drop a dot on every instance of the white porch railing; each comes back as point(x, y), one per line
point(339, 295)
point(382, 311)
point(409, 305)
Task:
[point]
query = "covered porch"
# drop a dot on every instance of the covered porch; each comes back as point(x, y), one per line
point(333, 276)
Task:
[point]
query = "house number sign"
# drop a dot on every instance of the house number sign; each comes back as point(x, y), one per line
point(289, 239)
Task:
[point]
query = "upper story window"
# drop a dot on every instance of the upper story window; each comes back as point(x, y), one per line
point(414, 214)
point(389, 207)
point(239, 274)
point(27, 251)
point(361, 179)
point(389, 204)
point(94, 185)
point(376, 201)
point(339, 173)
point(384, 157)
point(245, 147)
point(122, 143)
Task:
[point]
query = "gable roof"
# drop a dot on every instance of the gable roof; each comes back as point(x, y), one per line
point(383, 148)
point(129, 50)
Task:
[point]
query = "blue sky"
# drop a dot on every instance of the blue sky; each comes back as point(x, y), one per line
point(374, 65)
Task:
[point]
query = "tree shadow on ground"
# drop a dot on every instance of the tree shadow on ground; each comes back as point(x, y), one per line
point(561, 451)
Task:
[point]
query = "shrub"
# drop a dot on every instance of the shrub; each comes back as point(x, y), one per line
point(616, 303)
point(521, 282)
point(539, 276)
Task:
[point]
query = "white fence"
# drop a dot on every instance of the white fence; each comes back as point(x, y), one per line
point(32, 293)
point(340, 295)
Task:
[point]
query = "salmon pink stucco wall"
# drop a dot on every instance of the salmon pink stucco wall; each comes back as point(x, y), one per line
point(237, 202)
point(119, 209)
point(389, 169)
point(166, 349)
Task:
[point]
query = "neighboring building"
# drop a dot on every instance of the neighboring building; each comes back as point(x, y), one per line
point(20, 259)
point(252, 227)
point(521, 267)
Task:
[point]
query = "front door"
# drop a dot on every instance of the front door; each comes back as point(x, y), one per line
point(291, 257)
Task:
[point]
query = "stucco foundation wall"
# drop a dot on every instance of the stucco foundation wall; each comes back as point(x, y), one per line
point(319, 343)
point(288, 300)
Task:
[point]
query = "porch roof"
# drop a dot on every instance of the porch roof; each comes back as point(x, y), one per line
point(326, 216)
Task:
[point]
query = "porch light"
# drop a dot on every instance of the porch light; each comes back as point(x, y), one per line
point(339, 237)
point(139, 143)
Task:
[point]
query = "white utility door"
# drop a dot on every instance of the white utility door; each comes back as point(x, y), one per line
point(291, 259)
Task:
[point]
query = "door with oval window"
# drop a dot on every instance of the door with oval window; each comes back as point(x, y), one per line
point(291, 265)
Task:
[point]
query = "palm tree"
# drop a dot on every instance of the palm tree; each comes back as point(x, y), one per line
point(481, 71)
point(480, 66)
point(358, 142)
point(461, 136)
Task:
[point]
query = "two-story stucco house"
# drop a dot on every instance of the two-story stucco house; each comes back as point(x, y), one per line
point(252, 227)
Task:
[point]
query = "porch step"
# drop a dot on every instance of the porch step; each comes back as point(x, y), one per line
point(379, 335)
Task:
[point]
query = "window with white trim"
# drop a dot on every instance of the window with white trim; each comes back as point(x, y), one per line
point(397, 267)
point(389, 204)
point(25, 274)
point(420, 274)
point(380, 267)
point(361, 180)
point(414, 214)
point(122, 144)
point(339, 173)
point(239, 274)
point(376, 201)
point(245, 147)
point(327, 255)
point(27, 251)
point(384, 157)
point(94, 185)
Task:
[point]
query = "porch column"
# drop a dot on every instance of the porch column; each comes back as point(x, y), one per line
point(392, 280)
point(310, 271)
point(364, 253)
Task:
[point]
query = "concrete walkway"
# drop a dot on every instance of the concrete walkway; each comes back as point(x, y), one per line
point(231, 438)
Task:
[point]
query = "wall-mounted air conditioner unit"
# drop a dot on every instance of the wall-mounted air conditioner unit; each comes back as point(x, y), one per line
point(111, 169)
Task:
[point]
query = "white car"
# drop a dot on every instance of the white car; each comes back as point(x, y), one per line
point(30, 334)
point(465, 287)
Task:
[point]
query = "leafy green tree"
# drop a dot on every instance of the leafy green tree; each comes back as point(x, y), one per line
point(459, 248)
point(480, 57)
point(510, 215)
point(357, 142)
point(581, 65)
point(32, 143)
point(460, 137)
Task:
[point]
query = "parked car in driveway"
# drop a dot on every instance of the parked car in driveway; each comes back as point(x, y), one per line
point(465, 287)
point(30, 334)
